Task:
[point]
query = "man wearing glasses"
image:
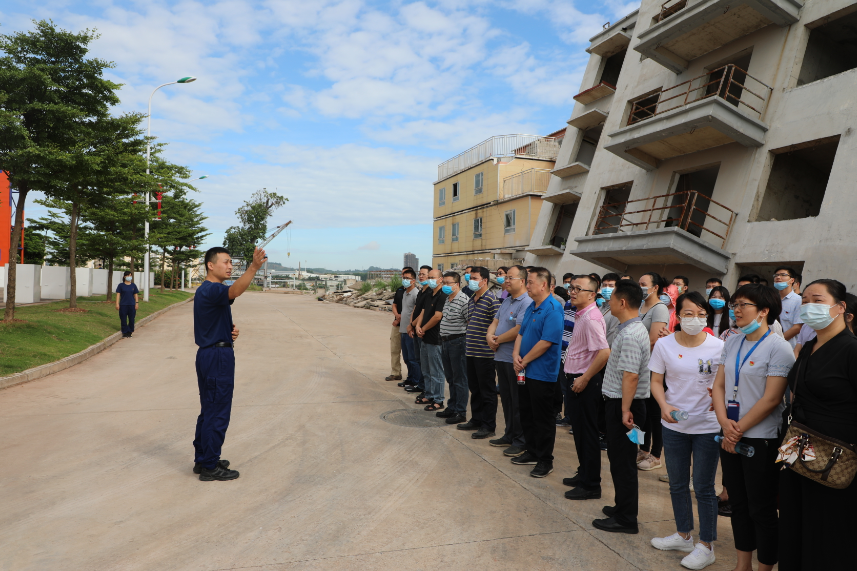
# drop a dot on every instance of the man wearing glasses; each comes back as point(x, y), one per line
point(784, 279)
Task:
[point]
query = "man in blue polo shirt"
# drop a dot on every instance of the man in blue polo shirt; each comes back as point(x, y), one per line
point(214, 334)
point(537, 351)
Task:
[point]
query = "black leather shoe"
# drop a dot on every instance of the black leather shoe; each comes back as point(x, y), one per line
point(482, 433)
point(500, 442)
point(514, 451)
point(413, 389)
point(456, 419)
point(470, 425)
point(574, 481)
point(219, 473)
point(614, 526)
point(404, 384)
point(541, 470)
point(526, 458)
point(197, 467)
point(602, 442)
point(445, 414)
point(583, 494)
point(608, 510)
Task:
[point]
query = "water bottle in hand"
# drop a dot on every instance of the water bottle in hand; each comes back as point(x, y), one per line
point(740, 448)
point(679, 415)
point(522, 377)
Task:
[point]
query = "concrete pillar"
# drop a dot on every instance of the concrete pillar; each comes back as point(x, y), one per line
point(84, 281)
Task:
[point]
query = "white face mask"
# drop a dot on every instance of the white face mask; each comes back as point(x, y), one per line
point(693, 325)
point(127, 278)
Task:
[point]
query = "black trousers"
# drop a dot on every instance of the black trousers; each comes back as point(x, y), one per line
point(813, 520)
point(537, 400)
point(127, 313)
point(584, 422)
point(508, 382)
point(654, 443)
point(483, 391)
point(622, 454)
point(753, 484)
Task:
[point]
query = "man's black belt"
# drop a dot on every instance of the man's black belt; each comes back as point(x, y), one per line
point(451, 337)
point(222, 344)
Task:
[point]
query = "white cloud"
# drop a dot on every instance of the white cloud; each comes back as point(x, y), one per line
point(373, 245)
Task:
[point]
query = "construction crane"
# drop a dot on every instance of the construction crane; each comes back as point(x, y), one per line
point(266, 280)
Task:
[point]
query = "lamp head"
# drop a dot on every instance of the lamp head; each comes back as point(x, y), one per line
point(188, 79)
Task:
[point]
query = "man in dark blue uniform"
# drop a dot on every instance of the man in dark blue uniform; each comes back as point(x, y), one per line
point(214, 333)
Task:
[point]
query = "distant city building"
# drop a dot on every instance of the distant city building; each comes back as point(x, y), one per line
point(383, 274)
point(411, 261)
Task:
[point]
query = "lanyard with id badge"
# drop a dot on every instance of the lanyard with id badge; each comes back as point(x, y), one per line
point(733, 407)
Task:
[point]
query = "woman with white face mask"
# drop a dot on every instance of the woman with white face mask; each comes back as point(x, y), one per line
point(127, 303)
point(824, 384)
point(748, 399)
point(687, 361)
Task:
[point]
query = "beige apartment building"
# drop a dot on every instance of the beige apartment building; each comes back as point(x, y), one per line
point(711, 138)
point(487, 199)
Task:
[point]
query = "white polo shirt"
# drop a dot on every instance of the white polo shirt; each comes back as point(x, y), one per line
point(790, 314)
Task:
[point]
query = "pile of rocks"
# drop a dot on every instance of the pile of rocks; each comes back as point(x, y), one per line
point(373, 299)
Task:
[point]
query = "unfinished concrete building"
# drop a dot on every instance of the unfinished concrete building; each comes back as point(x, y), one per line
point(711, 138)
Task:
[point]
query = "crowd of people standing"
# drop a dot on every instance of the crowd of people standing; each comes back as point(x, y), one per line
point(646, 369)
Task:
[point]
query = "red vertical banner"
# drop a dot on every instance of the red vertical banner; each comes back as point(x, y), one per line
point(6, 222)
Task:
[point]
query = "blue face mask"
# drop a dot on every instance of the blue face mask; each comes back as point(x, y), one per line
point(424, 282)
point(731, 315)
point(467, 277)
point(781, 285)
point(717, 303)
point(566, 286)
point(708, 291)
point(473, 284)
point(816, 315)
point(432, 284)
point(599, 302)
point(500, 280)
point(406, 283)
point(665, 299)
point(446, 289)
point(607, 292)
point(751, 327)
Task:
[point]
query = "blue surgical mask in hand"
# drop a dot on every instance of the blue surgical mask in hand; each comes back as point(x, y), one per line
point(446, 289)
point(406, 283)
point(473, 284)
point(636, 435)
point(665, 299)
point(500, 280)
point(607, 292)
point(599, 302)
point(781, 285)
point(467, 277)
point(816, 315)
point(717, 303)
point(432, 284)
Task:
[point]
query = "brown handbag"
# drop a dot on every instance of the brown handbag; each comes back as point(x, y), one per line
point(835, 463)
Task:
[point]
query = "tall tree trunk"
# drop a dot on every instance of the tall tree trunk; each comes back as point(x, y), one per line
point(72, 255)
point(163, 267)
point(12, 274)
point(110, 279)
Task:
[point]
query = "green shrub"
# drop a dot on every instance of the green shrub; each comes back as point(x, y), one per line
point(365, 287)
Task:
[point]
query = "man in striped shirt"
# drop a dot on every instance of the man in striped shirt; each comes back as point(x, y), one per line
point(569, 312)
point(481, 310)
point(453, 328)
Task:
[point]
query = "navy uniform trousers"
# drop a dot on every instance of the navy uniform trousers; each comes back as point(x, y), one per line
point(215, 375)
point(127, 314)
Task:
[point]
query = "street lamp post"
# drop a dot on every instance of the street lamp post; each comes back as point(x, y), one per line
point(189, 79)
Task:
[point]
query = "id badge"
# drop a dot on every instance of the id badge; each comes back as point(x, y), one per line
point(733, 410)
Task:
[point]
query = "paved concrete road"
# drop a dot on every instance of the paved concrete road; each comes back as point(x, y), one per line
point(97, 465)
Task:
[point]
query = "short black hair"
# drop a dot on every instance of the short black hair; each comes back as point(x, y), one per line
point(630, 291)
point(468, 268)
point(522, 272)
point(752, 278)
point(627, 277)
point(835, 288)
point(764, 297)
point(696, 299)
point(763, 281)
point(407, 268)
point(798, 279)
point(685, 279)
point(718, 281)
point(127, 273)
point(562, 292)
point(567, 276)
point(454, 275)
point(851, 307)
point(410, 272)
point(211, 254)
point(597, 278)
point(504, 268)
point(541, 273)
point(429, 268)
point(611, 277)
point(791, 271)
point(483, 272)
point(593, 283)
point(722, 290)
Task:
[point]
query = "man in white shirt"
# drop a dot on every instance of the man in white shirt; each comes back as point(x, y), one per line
point(784, 280)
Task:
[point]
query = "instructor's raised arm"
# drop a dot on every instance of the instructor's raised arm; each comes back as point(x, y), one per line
point(242, 283)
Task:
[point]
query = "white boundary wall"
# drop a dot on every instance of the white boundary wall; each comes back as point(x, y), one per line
point(27, 282)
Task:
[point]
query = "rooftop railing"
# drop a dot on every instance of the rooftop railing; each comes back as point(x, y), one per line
point(528, 181)
point(681, 209)
point(729, 82)
point(669, 8)
point(529, 146)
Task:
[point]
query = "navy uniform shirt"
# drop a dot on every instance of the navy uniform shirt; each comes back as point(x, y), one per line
point(126, 293)
point(212, 316)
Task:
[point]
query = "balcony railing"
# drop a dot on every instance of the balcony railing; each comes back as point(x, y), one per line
point(679, 210)
point(529, 146)
point(528, 181)
point(729, 82)
point(669, 8)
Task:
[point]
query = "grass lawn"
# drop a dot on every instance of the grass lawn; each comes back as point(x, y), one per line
point(48, 335)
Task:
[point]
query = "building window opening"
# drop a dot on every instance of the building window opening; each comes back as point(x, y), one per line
point(798, 180)
point(477, 227)
point(588, 144)
point(508, 222)
point(440, 268)
point(728, 79)
point(441, 234)
point(477, 183)
point(691, 200)
point(612, 68)
point(455, 231)
point(612, 213)
point(441, 197)
point(832, 49)
point(455, 192)
point(644, 108)
point(562, 225)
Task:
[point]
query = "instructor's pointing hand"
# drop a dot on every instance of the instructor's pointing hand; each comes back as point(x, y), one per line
point(259, 257)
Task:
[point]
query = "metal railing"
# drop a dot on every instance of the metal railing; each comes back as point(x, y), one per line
point(530, 180)
point(729, 87)
point(530, 146)
point(667, 11)
point(613, 218)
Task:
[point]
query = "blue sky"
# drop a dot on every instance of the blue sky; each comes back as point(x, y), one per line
point(344, 106)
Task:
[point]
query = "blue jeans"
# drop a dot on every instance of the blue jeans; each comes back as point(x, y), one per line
point(409, 355)
point(418, 352)
point(455, 370)
point(706, 453)
point(431, 363)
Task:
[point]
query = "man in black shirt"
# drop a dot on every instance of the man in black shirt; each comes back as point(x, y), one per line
point(422, 280)
point(466, 290)
point(431, 359)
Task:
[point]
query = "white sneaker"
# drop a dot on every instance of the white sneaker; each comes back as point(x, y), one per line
point(675, 542)
point(700, 558)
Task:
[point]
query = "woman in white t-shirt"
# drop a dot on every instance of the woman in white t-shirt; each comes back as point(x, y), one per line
point(688, 361)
